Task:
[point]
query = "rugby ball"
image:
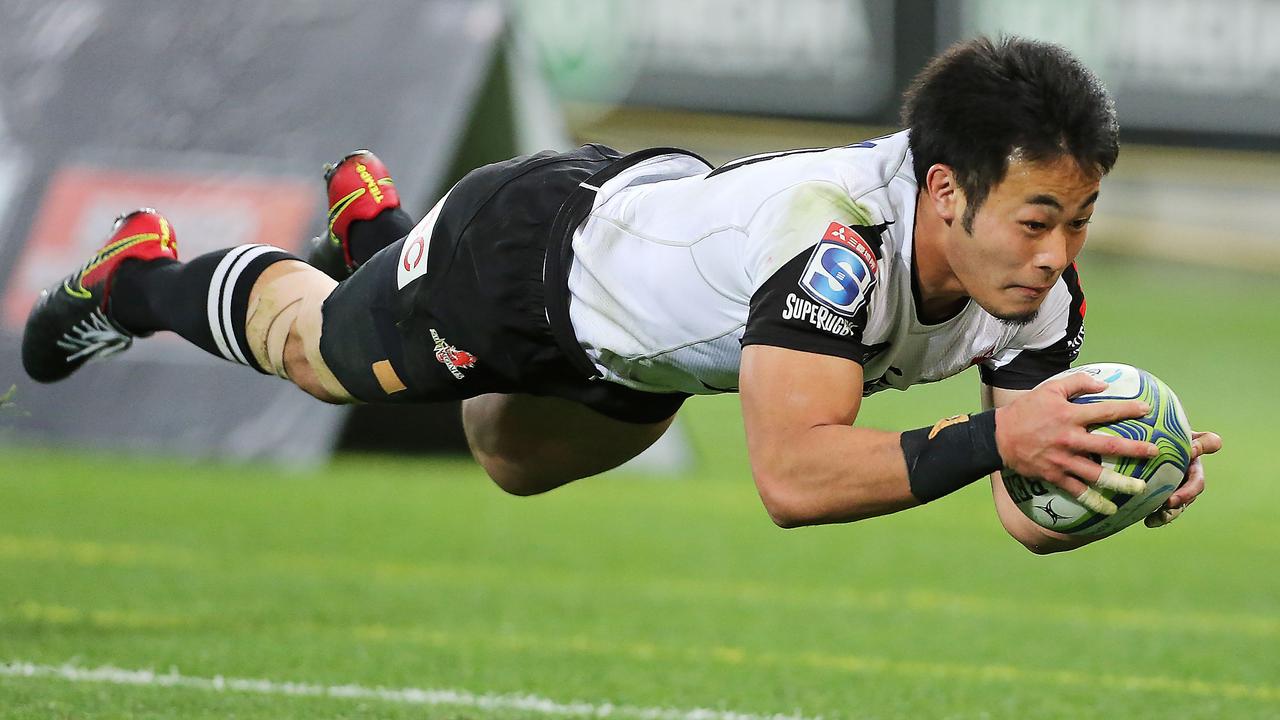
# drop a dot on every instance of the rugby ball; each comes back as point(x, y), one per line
point(1166, 426)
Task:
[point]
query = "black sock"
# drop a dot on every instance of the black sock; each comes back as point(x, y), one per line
point(205, 300)
point(366, 237)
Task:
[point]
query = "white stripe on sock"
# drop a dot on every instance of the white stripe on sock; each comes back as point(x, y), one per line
point(211, 306)
point(237, 268)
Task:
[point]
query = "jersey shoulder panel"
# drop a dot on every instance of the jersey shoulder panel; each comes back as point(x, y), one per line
point(796, 217)
point(818, 300)
point(816, 249)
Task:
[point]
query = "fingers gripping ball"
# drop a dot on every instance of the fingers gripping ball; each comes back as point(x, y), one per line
point(1165, 426)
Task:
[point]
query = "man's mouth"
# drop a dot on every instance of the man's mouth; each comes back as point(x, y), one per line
point(1032, 291)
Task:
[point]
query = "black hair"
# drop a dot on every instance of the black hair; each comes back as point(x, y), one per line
point(978, 103)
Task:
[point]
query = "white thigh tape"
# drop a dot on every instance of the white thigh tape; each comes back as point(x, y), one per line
point(288, 306)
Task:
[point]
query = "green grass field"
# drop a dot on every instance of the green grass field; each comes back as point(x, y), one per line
point(660, 598)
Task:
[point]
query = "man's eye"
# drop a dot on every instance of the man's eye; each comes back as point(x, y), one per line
point(1081, 224)
point(1034, 226)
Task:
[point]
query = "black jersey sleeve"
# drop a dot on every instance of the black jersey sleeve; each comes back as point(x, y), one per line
point(819, 299)
point(1031, 367)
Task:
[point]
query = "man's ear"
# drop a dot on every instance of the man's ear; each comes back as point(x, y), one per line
point(944, 192)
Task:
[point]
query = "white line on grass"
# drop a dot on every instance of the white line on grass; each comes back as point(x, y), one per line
point(407, 696)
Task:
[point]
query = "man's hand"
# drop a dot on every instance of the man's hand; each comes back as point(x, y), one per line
point(1202, 443)
point(1042, 434)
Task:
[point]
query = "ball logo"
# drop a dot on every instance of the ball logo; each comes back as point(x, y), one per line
point(1052, 515)
point(841, 270)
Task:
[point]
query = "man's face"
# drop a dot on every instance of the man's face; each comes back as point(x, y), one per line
point(1030, 228)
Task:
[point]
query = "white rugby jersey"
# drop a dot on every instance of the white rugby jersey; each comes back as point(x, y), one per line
point(678, 266)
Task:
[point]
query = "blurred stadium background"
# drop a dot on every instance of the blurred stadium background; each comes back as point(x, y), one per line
point(170, 514)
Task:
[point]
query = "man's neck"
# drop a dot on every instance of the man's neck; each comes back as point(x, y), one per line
point(938, 293)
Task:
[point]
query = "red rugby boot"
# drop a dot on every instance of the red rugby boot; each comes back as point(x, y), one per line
point(360, 188)
point(70, 323)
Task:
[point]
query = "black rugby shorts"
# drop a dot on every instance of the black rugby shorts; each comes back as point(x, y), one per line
point(489, 312)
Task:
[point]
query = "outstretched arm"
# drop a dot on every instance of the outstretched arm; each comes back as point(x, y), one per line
point(812, 466)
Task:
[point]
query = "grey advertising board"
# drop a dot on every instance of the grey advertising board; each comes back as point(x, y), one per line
point(1180, 65)
point(219, 114)
point(793, 57)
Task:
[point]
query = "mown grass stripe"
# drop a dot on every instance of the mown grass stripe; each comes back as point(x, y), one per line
point(90, 553)
point(860, 664)
point(34, 613)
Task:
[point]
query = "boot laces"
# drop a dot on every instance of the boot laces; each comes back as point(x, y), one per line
point(94, 337)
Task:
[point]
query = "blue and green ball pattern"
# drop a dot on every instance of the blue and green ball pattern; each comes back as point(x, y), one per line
point(1166, 426)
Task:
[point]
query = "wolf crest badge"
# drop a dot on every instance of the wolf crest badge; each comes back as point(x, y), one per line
point(451, 357)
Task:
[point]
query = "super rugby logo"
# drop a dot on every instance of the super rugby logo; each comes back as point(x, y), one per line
point(798, 308)
point(451, 357)
point(841, 270)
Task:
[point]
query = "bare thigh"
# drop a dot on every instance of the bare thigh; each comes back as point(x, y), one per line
point(530, 444)
point(284, 323)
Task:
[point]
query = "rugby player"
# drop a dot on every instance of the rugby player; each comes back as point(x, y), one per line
point(573, 301)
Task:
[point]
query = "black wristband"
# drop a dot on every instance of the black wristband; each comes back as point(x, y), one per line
point(953, 453)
